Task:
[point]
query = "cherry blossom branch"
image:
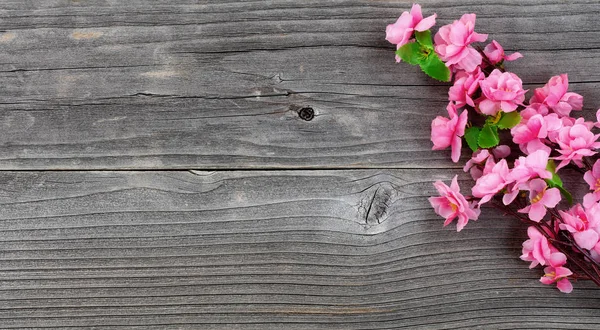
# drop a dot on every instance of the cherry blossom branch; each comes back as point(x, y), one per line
point(486, 99)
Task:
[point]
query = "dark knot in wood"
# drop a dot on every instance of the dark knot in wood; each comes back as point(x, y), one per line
point(374, 206)
point(306, 113)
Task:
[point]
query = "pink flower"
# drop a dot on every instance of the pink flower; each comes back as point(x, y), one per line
point(452, 43)
point(536, 249)
point(540, 197)
point(475, 165)
point(465, 85)
point(531, 133)
point(501, 91)
point(525, 169)
point(556, 273)
point(491, 183)
point(592, 178)
point(576, 142)
point(452, 204)
point(530, 130)
point(495, 53)
point(532, 166)
point(477, 160)
point(535, 127)
point(401, 32)
point(501, 151)
point(584, 224)
point(534, 109)
point(554, 94)
point(447, 132)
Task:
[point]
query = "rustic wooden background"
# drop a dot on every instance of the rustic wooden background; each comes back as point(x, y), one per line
point(158, 171)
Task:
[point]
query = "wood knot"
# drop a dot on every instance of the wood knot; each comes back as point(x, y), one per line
point(374, 205)
point(306, 113)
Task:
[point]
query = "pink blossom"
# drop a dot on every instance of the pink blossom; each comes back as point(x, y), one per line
point(483, 161)
point(452, 204)
point(472, 166)
point(525, 169)
point(501, 151)
point(530, 167)
point(584, 224)
point(592, 178)
point(452, 43)
point(590, 199)
point(529, 134)
point(535, 127)
point(465, 85)
point(534, 145)
point(489, 166)
point(597, 124)
point(576, 142)
point(495, 53)
point(533, 109)
point(447, 132)
point(532, 129)
point(556, 273)
point(554, 94)
point(501, 91)
point(540, 198)
point(491, 183)
point(536, 249)
point(401, 32)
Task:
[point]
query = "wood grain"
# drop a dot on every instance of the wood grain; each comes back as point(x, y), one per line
point(290, 223)
point(354, 249)
point(218, 84)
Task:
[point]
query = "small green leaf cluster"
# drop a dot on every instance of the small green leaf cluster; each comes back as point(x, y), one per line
point(420, 52)
point(488, 136)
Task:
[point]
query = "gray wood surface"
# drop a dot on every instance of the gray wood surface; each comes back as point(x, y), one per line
point(216, 84)
point(262, 250)
point(155, 172)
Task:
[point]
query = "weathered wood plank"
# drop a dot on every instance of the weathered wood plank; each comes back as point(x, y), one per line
point(261, 250)
point(178, 84)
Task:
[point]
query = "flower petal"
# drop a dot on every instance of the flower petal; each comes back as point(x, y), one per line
point(426, 23)
point(564, 286)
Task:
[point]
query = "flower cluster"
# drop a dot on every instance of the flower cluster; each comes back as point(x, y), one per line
point(517, 171)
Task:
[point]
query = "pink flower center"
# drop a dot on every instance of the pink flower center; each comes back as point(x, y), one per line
point(538, 197)
point(555, 277)
point(597, 186)
point(552, 275)
point(454, 207)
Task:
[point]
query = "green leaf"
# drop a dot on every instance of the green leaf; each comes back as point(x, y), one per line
point(424, 38)
point(435, 68)
point(566, 194)
point(509, 120)
point(553, 184)
point(488, 137)
point(411, 53)
point(551, 166)
point(555, 181)
point(472, 137)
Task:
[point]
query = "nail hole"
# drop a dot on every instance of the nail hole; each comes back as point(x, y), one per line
point(306, 114)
